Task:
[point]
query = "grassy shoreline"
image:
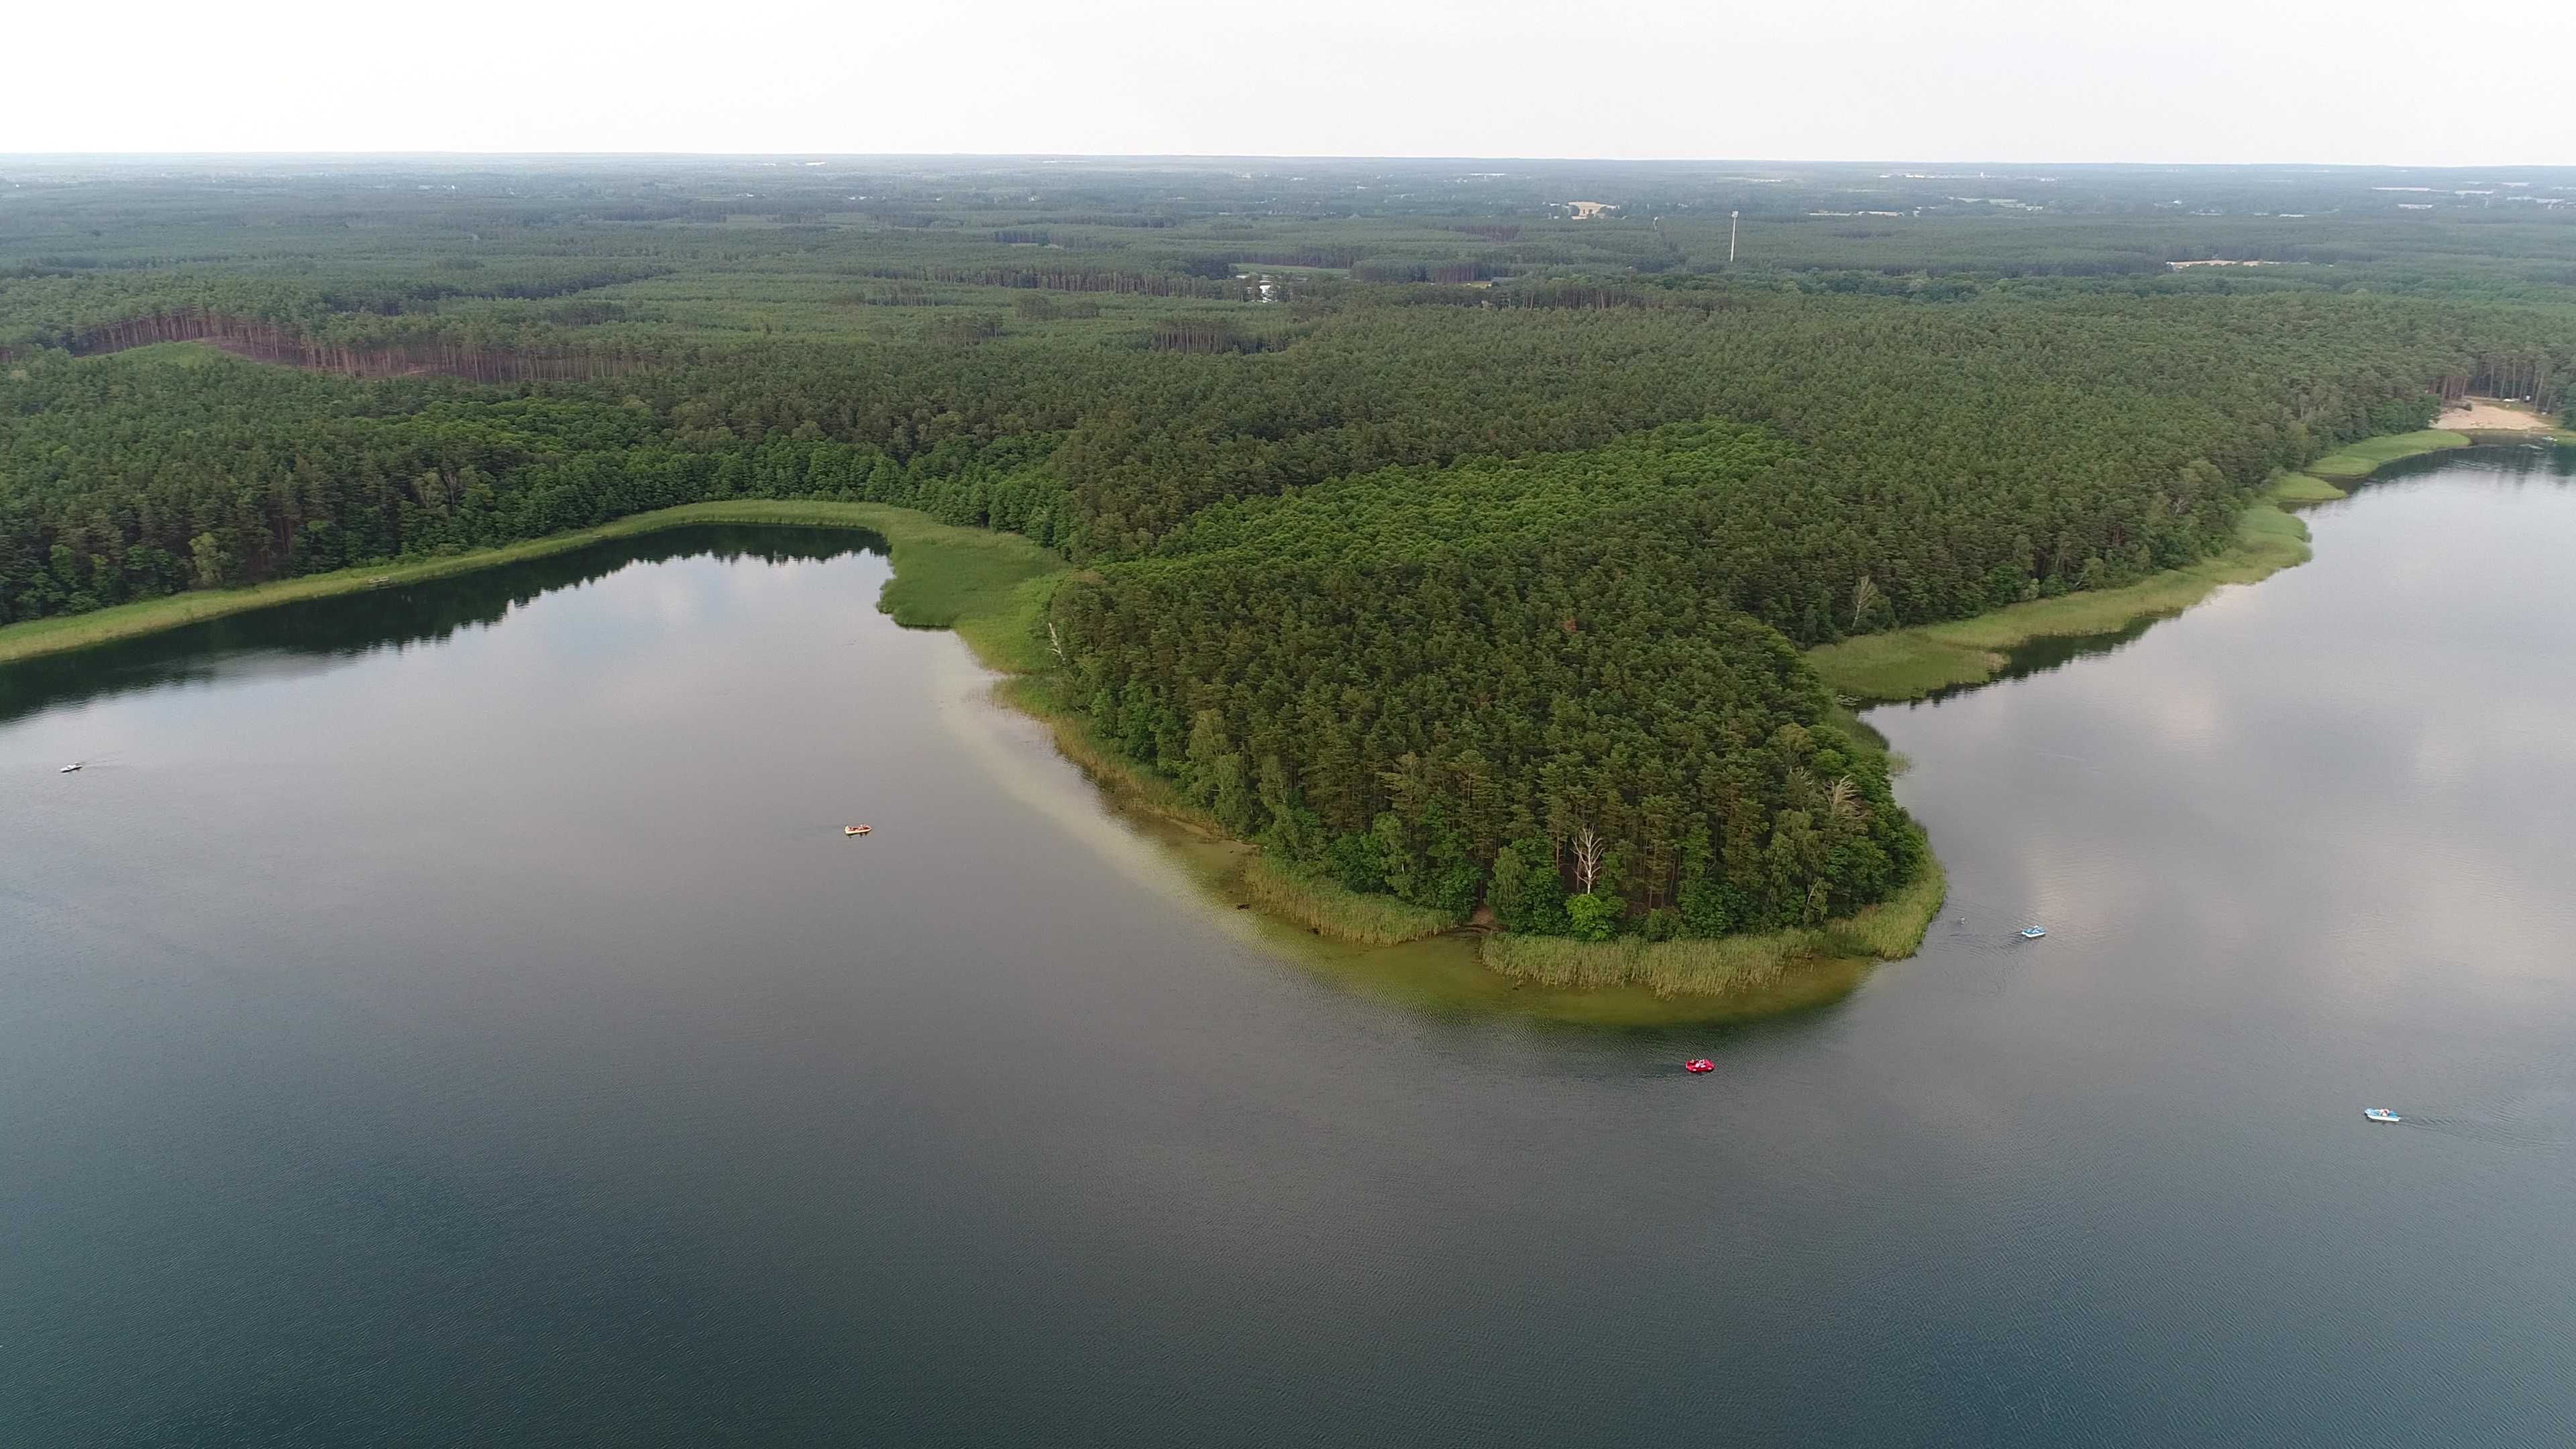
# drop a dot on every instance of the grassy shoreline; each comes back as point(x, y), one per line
point(988, 586)
point(1727, 965)
point(2360, 460)
point(1904, 664)
point(1286, 895)
point(1771, 965)
point(1907, 664)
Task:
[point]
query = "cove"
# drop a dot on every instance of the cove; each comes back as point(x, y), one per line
point(476, 1029)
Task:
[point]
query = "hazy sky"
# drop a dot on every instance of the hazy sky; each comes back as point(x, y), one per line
point(2036, 80)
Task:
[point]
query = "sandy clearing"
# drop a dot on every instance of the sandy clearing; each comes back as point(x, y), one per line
point(2477, 415)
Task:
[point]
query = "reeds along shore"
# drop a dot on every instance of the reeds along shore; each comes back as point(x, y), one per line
point(1726, 965)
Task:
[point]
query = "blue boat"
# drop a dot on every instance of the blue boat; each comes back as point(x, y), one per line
point(2381, 1114)
point(2032, 933)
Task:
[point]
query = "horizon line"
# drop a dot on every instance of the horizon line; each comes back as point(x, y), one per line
point(1219, 156)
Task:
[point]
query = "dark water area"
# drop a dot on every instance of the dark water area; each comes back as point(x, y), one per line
point(380, 618)
point(455, 1016)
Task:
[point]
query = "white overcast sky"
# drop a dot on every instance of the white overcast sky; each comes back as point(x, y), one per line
point(2006, 80)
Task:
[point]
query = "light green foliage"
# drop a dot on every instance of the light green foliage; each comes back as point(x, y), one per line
point(1591, 917)
point(2360, 460)
point(2294, 488)
point(179, 354)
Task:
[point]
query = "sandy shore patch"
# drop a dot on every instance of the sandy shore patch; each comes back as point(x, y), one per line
point(2480, 416)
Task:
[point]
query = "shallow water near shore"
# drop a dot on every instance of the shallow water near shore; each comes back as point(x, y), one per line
point(453, 1014)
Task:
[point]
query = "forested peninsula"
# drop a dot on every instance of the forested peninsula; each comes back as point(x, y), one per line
point(1463, 554)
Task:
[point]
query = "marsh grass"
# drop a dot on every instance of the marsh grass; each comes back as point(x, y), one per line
point(2295, 488)
point(1726, 965)
point(1719, 967)
point(992, 588)
point(1327, 906)
point(1892, 929)
point(2366, 457)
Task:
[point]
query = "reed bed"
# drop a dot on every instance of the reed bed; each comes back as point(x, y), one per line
point(1719, 967)
point(1726, 965)
point(1325, 906)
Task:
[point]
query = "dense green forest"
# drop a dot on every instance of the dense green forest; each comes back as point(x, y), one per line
point(1451, 543)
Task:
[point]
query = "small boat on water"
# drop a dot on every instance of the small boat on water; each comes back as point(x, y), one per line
point(2381, 1114)
point(2032, 933)
point(74, 765)
point(1696, 1065)
point(847, 830)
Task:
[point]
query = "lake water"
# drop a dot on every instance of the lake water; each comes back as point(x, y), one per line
point(453, 1015)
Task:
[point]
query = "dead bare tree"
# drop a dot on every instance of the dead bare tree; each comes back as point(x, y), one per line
point(1587, 859)
point(1055, 642)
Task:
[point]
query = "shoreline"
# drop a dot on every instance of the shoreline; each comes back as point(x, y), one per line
point(1903, 665)
point(990, 587)
point(948, 602)
point(1626, 980)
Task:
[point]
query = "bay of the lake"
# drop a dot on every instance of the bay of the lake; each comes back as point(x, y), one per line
point(454, 1015)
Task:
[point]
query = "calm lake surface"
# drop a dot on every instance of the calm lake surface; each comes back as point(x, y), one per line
point(453, 1015)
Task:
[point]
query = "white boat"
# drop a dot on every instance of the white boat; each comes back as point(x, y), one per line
point(2032, 933)
point(67, 769)
point(2381, 1114)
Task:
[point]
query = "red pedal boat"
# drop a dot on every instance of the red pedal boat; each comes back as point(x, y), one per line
point(1699, 1064)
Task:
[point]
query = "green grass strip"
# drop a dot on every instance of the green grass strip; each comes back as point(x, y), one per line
point(1725, 965)
point(1335, 910)
point(1911, 663)
point(990, 587)
point(2370, 454)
